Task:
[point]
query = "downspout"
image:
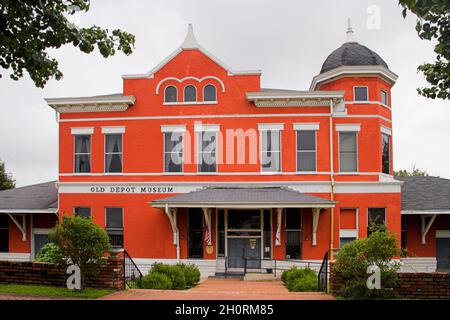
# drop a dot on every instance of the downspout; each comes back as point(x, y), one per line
point(332, 180)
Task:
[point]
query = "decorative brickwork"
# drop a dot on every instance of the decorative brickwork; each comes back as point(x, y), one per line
point(40, 273)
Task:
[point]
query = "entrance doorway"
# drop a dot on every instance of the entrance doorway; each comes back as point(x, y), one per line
point(244, 231)
point(443, 250)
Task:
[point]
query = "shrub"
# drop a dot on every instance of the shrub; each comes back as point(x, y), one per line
point(174, 272)
point(191, 273)
point(156, 280)
point(50, 252)
point(301, 280)
point(354, 258)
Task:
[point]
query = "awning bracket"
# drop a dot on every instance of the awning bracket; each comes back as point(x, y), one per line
point(22, 227)
point(426, 226)
point(315, 224)
point(278, 234)
point(171, 213)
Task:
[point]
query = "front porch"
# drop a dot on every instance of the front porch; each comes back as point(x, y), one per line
point(248, 229)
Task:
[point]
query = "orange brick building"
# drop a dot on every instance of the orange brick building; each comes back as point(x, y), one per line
point(194, 161)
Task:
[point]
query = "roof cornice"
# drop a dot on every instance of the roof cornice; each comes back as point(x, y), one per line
point(294, 99)
point(355, 71)
point(91, 104)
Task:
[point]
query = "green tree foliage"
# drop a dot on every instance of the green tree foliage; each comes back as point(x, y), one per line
point(300, 280)
point(433, 23)
point(29, 28)
point(51, 253)
point(6, 180)
point(414, 172)
point(354, 258)
point(81, 242)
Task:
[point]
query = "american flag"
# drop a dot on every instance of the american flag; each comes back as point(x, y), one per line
point(207, 236)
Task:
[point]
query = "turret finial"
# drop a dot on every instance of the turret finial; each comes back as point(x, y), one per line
point(190, 42)
point(349, 31)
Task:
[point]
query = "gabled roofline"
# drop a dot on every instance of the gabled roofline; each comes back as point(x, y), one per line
point(359, 71)
point(190, 43)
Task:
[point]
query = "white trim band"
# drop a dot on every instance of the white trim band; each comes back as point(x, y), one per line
point(348, 127)
point(270, 126)
point(206, 128)
point(170, 128)
point(306, 126)
point(110, 130)
point(79, 131)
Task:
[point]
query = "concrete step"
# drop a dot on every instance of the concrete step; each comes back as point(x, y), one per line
point(259, 277)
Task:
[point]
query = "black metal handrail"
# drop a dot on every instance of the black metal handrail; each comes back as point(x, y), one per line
point(323, 275)
point(132, 274)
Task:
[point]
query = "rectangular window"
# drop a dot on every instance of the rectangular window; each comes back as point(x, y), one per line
point(173, 151)
point(293, 233)
point(114, 226)
point(386, 153)
point(271, 150)
point(348, 225)
point(82, 212)
point(220, 233)
point(267, 234)
point(206, 155)
point(306, 150)
point(40, 240)
point(82, 154)
point(195, 233)
point(361, 94)
point(375, 217)
point(113, 153)
point(4, 233)
point(384, 97)
point(348, 155)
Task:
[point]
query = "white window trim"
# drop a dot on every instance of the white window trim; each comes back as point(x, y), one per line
point(185, 103)
point(104, 157)
point(175, 129)
point(90, 154)
point(296, 151)
point(184, 93)
point(375, 207)
point(387, 97)
point(203, 93)
point(82, 131)
point(357, 155)
point(164, 98)
point(348, 233)
point(354, 94)
point(270, 127)
point(386, 130)
point(206, 127)
point(442, 234)
point(348, 127)
point(113, 130)
point(199, 128)
point(306, 126)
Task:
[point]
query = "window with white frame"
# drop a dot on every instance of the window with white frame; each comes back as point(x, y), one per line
point(361, 94)
point(113, 153)
point(170, 94)
point(114, 226)
point(348, 151)
point(173, 148)
point(384, 97)
point(270, 147)
point(82, 153)
point(207, 148)
point(385, 153)
point(375, 217)
point(348, 225)
point(306, 147)
point(190, 93)
point(82, 211)
point(209, 93)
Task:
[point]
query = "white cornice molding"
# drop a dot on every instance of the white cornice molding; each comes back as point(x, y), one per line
point(426, 212)
point(295, 99)
point(354, 71)
point(90, 104)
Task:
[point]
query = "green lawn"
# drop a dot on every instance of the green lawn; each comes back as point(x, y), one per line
point(87, 293)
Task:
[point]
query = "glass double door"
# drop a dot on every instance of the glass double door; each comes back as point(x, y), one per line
point(244, 230)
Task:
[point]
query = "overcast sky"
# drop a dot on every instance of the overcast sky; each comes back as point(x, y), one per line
point(287, 40)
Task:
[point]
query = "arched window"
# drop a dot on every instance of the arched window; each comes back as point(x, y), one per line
point(190, 93)
point(170, 94)
point(209, 93)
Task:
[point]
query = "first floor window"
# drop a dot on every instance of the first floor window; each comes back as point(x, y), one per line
point(114, 226)
point(376, 217)
point(206, 155)
point(82, 212)
point(348, 155)
point(40, 240)
point(344, 240)
point(82, 153)
point(271, 150)
point(293, 233)
point(361, 94)
point(4, 233)
point(113, 153)
point(306, 150)
point(386, 153)
point(173, 151)
point(348, 225)
point(195, 233)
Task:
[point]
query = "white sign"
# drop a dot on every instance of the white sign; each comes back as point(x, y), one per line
point(74, 280)
point(374, 280)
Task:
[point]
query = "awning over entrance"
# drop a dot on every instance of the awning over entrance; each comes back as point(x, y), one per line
point(234, 197)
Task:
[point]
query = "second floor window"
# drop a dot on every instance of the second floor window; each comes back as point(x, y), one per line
point(384, 97)
point(209, 93)
point(82, 153)
point(173, 151)
point(348, 154)
point(114, 226)
point(385, 153)
point(82, 212)
point(113, 153)
point(361, 94)
point(190, 94)
point(170, 94)
point(271, 150)
point(306, 150)
point(206, 155)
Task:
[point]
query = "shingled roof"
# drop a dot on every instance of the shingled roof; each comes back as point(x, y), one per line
point(244, 196)
point(425, 193)
point(38, 197)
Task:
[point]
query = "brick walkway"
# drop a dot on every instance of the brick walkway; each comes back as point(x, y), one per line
point(222, 289)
